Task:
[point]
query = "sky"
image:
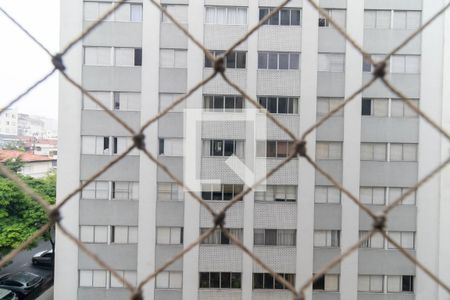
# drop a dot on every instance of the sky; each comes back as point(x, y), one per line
point(22, 62)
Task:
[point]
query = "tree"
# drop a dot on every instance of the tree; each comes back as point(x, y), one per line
point(15, 164)
point(20, 215)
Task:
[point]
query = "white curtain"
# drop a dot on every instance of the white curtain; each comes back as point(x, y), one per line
point(370, 18)
point(122, 14)
point(383, 19)
point(136, 13)
point(399, 19)
point(413, 19)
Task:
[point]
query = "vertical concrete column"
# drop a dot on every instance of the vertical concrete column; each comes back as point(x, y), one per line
point(192, 134)
point(306, 176)
point(351, 149)
point(444, 211)
point(250, 154)
point(69, 148)
point(428, 196)
point(147, 168)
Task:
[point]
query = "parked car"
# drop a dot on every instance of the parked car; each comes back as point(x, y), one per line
point(44, 258)
point(7, 295)
point(22, 283)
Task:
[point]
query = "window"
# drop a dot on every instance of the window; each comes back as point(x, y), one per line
point(125, 13)
point(375, 107)
point(108, 56)
point(379, 19)
point(179, 12)
point(127, 101)
point(169, 280)
point(397, 192)
point(327, 282)
point(275, 237)
point(221, 192)
point(124, 57)
point(284, 17)
point(405, 239)
point(280, 193)
point(116, 190)
point(219, 238)
point(374, 151)
point(96, 190)
point(221, 103)
point(376, 241)
point(124, 101)
point(328, 150)
point(124, 234)
point(326, 105)
point(171, 146)
point(372, 195)
point(327, 194)
point(124, 190)
point(279, 105)
point(130, 276)
point(169, 235)
point(403, 152)
point(327, 238)
point(223, 148)
point(279, 60)
point(165, 100)
point(274, 148)
point(92, 278)
point(170, 191)
point(409, 64)
point(407, 19)
point(400, 109)
point(267, 281)
point(370, 283)
point(331, 62)
point(368, 67)
point(224, 15)
point(234, 60)
point(103, 97)
point(402, 283)
point(173, 58)
point(97, 56)
point(220, 280)
point(94, 234)
point(338, 15)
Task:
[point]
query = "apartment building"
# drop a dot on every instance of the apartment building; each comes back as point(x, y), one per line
point(8, 123)
point(298, 66)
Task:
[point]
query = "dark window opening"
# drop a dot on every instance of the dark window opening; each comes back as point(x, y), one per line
point(366, 109)
point(138, 57)
point(319, 283)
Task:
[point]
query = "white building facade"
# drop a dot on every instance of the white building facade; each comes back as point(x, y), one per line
point(9, 122)
point(136, 218)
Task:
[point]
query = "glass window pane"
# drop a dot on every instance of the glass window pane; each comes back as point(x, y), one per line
point(285, 17)
point(162, 280)
point(136, 13)
point(363, 283)
point(284, 61)
point(273, 60)
point(396, 152)
point(394, 283)
point(295, 17)
point(176, 280)
point(262, 60)
point(376, 283)
point(294, 61)
point(331, 282)
point(379, 152)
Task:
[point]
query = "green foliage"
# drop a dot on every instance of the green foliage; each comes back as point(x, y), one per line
point(19, 145)
point(14, 165)
point(20, 215)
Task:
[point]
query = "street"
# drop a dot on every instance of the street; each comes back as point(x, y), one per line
point(22, 262)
